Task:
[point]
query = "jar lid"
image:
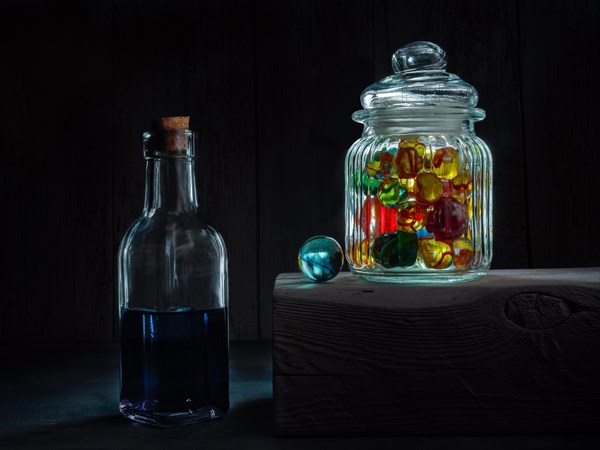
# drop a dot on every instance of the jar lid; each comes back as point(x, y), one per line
point(420, 84)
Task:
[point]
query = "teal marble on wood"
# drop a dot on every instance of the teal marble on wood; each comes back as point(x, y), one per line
point(320, 258)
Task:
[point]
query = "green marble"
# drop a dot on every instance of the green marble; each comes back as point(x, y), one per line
point(391, 193)
point(395, 249)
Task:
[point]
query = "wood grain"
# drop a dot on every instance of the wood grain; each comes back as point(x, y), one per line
point(191, 64)
point(514, 352)
point(313, 60)
point(56, 176)
point(557, 113)
point(465, 402)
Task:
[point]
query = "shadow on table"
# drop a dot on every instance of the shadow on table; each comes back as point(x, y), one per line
point(250, 426)
point(250, 419)
point(60, 434)
point(254, 417)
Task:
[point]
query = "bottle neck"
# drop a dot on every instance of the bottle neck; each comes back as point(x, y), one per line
point(170, 185)
point(170, 177)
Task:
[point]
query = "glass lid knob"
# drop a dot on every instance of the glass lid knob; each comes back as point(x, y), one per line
point(420, 55)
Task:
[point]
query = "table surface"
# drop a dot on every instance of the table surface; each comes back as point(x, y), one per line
point(59, 396)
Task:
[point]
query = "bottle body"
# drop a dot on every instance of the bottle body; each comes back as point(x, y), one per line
point(418, 204)
point(172, 276)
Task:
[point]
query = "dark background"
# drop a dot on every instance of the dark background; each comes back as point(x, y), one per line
point(270, 86)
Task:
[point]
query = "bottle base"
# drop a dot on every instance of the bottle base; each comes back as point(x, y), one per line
point(139, 412)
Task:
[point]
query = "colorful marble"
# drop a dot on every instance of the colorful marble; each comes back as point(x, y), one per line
point(395, 249)
point(446, 163)
point(411, 217)
point(428, 188)
point(462, 185)
point(424, 233)
point(407, 249)
point(463, 252)
point(380, 166)
point(450, 219)
point(435, 254)
point(391, 193)
point(369, 185)
point(430, 224)
point(376, 219)
point(408, 160)
point(409, 183)
point(385, 249)
point(362, 254)
point(447, 188)
point(320, 258)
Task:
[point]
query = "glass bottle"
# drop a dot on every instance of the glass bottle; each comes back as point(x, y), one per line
point(173, 294)
point(419, 181)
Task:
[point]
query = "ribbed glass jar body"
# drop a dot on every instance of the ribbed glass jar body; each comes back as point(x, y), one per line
point(419, 200)
point(173, 298)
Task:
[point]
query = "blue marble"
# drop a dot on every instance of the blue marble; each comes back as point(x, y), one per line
point(320, 258)
point(424, 233)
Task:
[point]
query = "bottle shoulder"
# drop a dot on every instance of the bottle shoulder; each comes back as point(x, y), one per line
point(172, 230)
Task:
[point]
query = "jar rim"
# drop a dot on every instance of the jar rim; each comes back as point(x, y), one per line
point(418, 114)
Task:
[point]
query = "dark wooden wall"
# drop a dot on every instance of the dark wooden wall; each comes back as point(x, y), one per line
point(270, 86)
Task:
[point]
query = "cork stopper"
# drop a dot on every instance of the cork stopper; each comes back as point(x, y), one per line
point(171, 123)
point(169, 132)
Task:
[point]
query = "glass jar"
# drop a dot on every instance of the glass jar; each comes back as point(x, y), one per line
point(419, 181)
point(173, 294)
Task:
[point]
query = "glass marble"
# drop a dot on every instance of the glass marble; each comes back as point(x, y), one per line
point(380, 166)
point(320, 258)
point(411, 217)
point(362, 254)
point(446, 163)
point(463, 252)
point(369, 216)
point(409, 183)
point(424, 233)
point(469, 203)
point(407, 249)
point(450, 219)
point(428, 188)
point(395, 249)
point(430, 224)
point(435, 254)
point(408, 160)
point(462, 185)
point(391, 193)
point(385, 249)
point(447, 188)
point(376, 219)
point(368, 185)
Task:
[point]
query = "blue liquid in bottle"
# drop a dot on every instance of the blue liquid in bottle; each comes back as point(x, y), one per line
point(174, 366)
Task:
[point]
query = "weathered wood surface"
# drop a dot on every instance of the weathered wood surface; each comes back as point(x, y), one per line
point(515, 352)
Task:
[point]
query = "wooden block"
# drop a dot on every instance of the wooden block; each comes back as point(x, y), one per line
point(515, 352)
